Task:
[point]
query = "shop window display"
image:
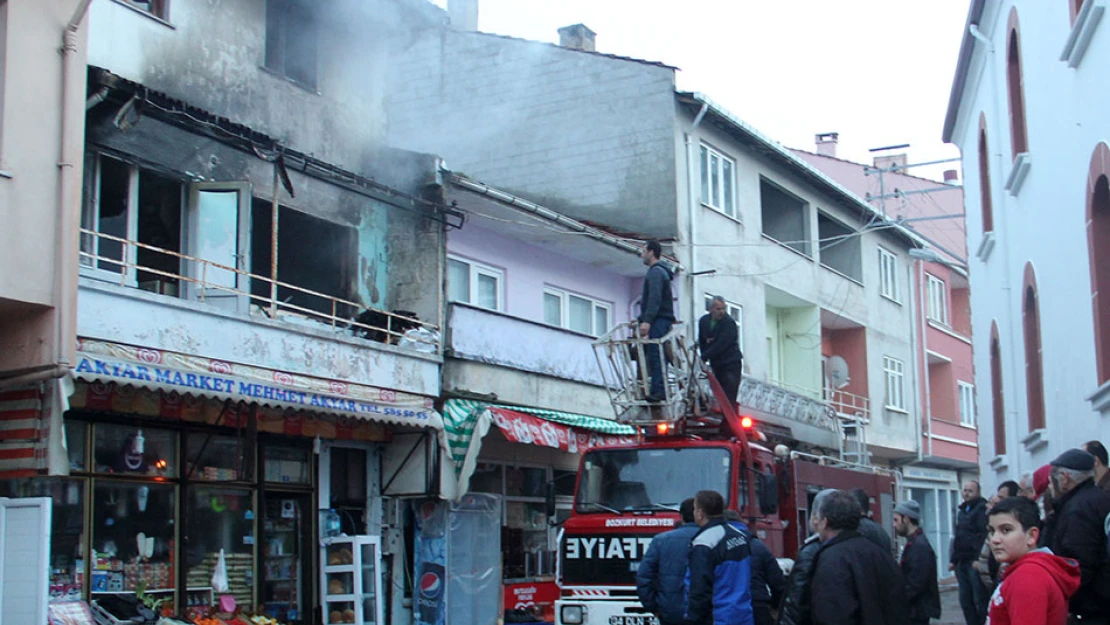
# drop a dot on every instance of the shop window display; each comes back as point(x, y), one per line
point(215, 519)
point(132, 536)
point(67, 531)
point(76, 433)
point(129, 450)
point(217, 458)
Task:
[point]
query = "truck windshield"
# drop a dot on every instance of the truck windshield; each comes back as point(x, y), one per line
point(645, 479)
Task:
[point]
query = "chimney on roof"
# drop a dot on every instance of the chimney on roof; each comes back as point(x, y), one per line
point(890, 160)
point(578, 37)
point(826, 143)
point(951, 176)
point(463, 14)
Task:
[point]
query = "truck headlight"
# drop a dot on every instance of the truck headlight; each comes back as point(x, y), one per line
point(573, 614)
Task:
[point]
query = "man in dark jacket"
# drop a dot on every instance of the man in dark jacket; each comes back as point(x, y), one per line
point(919, 564)
point(868, 527)
point(1102, 463)
point(971, 531)
point(854, 581)
point(661, 578)
point(1080, 533)
point(656, 313)
point(795, 605)
point(719, 345)
point(720, 567)
point(768, 582)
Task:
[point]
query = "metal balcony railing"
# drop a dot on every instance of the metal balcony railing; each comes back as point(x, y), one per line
point(849, 404)
point(204, 280)
point(777, 399)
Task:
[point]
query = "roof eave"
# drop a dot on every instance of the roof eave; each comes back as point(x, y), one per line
point(963, 63)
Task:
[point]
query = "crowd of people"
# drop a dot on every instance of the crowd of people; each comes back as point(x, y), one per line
point(1036, 553)
point(1056, 523)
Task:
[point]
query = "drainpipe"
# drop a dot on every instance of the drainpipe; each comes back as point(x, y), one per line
point(691, 205)
point(914, 331)
point(925, 352)
point(1007, 286)
point(69, 197)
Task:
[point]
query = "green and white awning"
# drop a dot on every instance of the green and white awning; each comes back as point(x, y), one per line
point(467, 421)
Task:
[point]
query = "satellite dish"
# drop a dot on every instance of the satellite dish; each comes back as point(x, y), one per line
point(838, 372)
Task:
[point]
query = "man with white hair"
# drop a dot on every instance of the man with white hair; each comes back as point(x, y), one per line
point(1079, 533)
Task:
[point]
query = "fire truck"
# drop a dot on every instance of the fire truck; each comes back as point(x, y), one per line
point(693, 440)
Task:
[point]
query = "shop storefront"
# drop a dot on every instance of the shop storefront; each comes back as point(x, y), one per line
point(165, 478)
point(515, 452)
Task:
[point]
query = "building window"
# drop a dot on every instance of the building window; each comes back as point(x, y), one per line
point(1034, 371)
point(1098, 248)
point(839, 247)
point(1074, 7)
point(785, 217)
point(472, 283)
point(575, 312)
point(888, 275)
point(986, 204)
point(527, 539)
point(736, 311)
point(894, 370)
point(718, 181)
point(967, 404)
point(291, 40)
point(1015, 87)
point(938, 299)
point(157, 8)
point(998, 408)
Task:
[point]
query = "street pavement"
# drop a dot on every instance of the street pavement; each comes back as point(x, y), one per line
point(950, 612)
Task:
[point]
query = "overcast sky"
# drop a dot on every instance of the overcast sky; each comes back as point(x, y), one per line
point(876, 71)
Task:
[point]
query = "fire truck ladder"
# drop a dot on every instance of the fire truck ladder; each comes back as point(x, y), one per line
point(622, 358)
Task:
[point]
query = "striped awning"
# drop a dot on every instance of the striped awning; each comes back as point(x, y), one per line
point(466, 422)
point(32, 439)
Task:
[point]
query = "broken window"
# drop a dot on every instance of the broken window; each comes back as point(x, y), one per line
point(839, 247)
point(315, 255)
point(291, 39)
point(131, 205)
point(784, 217)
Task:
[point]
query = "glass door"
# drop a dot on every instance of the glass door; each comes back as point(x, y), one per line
point(284, 552)
point(371, 582)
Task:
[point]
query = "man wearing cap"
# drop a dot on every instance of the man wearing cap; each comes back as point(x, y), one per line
point(919, 564)
point(1079, 533)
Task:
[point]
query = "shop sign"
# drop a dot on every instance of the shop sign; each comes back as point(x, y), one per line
point(519, 427)
point(540, 595)
point(930, 475)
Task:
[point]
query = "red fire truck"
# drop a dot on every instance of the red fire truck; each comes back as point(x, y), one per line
point(691, 441)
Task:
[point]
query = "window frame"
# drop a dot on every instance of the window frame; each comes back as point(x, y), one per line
point(888, 275)
point(280, 66)
point(564, 310)
point(937, 299)
point(966, 394)
point(706, 182)
point(158, 9)
point(894, 373)
point(1015, 88)
point(477, 269)
point(738, 318)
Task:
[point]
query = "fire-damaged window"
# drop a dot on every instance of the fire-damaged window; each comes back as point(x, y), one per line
point(133, 218)
point(291, 40)
point(314, 255)
point(784, 217)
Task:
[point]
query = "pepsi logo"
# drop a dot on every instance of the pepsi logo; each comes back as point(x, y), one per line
point(218, 366)
point(430, 584)
point(149, 356)
point(283, 378)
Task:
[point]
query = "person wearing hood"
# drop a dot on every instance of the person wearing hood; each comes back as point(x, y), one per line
point(971, 531)
point(1080, 532)
point(1036, 584)
point(656, 314)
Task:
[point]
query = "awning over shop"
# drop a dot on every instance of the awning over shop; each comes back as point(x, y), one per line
point(31, 439)
point(466, 422)
point(104, 362)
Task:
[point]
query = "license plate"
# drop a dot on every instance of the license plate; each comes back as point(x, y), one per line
point(638, 619)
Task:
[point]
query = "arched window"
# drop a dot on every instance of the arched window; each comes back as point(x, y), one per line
point(998, 407)
point(985, 177)
point(1098, 247)
point(1014, 83)
point(1034, 369)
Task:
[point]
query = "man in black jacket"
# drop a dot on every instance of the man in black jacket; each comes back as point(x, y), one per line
point(854, 581)
point(656, 314)
point(719, 345)
point(795, 604)
point(1080, 533)
point(868, 527)
point(971, 531)
point(919, 564)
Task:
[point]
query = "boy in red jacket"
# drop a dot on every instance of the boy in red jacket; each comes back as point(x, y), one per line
point(1036, 584)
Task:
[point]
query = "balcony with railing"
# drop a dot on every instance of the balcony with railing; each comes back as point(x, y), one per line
point(144, 295)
